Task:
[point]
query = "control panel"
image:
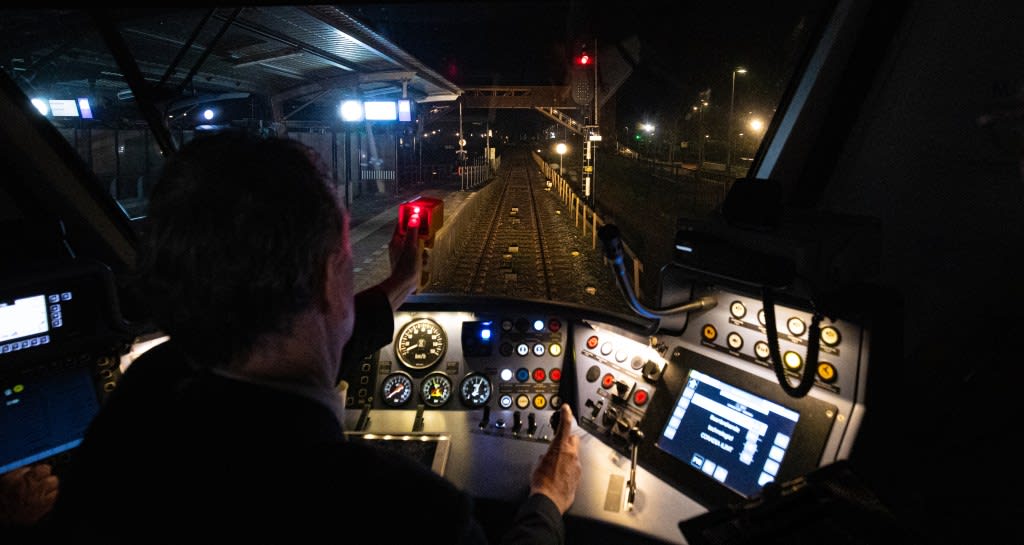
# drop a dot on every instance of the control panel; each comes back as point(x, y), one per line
point(617, 379)
point(736, 330)
point(61, 336)
point(506, 368)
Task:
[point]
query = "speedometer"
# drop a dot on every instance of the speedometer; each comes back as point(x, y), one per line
point(421, 343)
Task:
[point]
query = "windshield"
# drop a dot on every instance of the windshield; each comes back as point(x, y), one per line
point(532, 124)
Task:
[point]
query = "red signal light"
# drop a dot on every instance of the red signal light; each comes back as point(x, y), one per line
point(583, 59)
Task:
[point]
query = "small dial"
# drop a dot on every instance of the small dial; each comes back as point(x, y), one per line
point(475, 390)
point(421, 343)
point(436, 389)
point(396, 389)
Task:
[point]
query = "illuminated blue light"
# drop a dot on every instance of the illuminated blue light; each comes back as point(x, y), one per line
point(485, 334)
point(538, 325)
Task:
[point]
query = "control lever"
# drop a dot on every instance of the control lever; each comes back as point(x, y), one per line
point(417, 423)
point(486, 419)
point(635, 437)
point(556, 420)
point(517, 423)
point(364, 417)
point(531, 424)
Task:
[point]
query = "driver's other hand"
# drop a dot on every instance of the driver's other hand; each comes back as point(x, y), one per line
point(557, 475)
point(27, 494)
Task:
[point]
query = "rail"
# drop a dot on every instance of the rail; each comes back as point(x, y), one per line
point(584, 216)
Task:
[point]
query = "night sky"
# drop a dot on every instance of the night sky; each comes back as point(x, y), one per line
point(685, 47)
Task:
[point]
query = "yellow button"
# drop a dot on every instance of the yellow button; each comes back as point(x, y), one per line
point(523, 401)
point(709, 332)
point(827, 372)
point(539, 401)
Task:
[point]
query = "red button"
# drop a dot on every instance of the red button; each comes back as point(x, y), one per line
point(539, 374)
point(554, 325)
point(555, 375)
point(607, 381)
point(640, 397)
point(592, 342)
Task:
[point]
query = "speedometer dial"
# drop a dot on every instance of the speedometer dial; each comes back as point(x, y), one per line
point(475, 390)
point(436, 389)
point(421, 343)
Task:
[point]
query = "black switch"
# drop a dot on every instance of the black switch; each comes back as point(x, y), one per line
point(531, 424)
point(486, 418)
point(594, 407)
point(622, 389)
point(556, 420)
point(517, 422)
point(652, 371)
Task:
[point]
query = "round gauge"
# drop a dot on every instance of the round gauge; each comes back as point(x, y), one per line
point(475, 390)
point(396, 389)
point(436, 389)
point(421, 343)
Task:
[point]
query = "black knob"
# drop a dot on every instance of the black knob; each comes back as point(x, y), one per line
point(652, 371)
point(517, 422)
point(556, 420)
point(486, 417)
point(531, 424)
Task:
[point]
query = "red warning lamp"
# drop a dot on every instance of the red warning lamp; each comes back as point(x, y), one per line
point(424, 214)
point(583, 59)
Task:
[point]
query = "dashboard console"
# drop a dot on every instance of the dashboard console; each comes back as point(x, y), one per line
point(701, 412)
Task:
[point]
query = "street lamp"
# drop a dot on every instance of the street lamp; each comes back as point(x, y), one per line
point(649, 129)
point(560, 149)
point(728, 132)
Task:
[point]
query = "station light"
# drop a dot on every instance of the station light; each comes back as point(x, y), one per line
point(351, 110)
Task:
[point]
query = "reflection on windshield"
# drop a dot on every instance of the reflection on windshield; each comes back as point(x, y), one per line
point(637, 117)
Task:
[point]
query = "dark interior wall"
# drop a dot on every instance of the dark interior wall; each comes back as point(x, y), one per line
point(947, 189)
point(937, 159)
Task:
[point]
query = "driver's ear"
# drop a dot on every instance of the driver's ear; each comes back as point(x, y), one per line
point(338, 286)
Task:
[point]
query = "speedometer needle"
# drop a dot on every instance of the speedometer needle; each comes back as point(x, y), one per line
point(396, 390)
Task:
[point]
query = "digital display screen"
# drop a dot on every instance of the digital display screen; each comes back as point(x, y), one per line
point(63, 107)
point(404, 110)
point(31, 321)
point(23, 318)
point(44, 414)
point(85, 108)
point(380, 111)
point(733, 436)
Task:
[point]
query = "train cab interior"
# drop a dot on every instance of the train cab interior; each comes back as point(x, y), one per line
point(785, 367)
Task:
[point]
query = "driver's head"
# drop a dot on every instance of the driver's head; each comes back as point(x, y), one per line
point(240, 232)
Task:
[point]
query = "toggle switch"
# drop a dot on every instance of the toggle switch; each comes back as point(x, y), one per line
point(486, 417)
